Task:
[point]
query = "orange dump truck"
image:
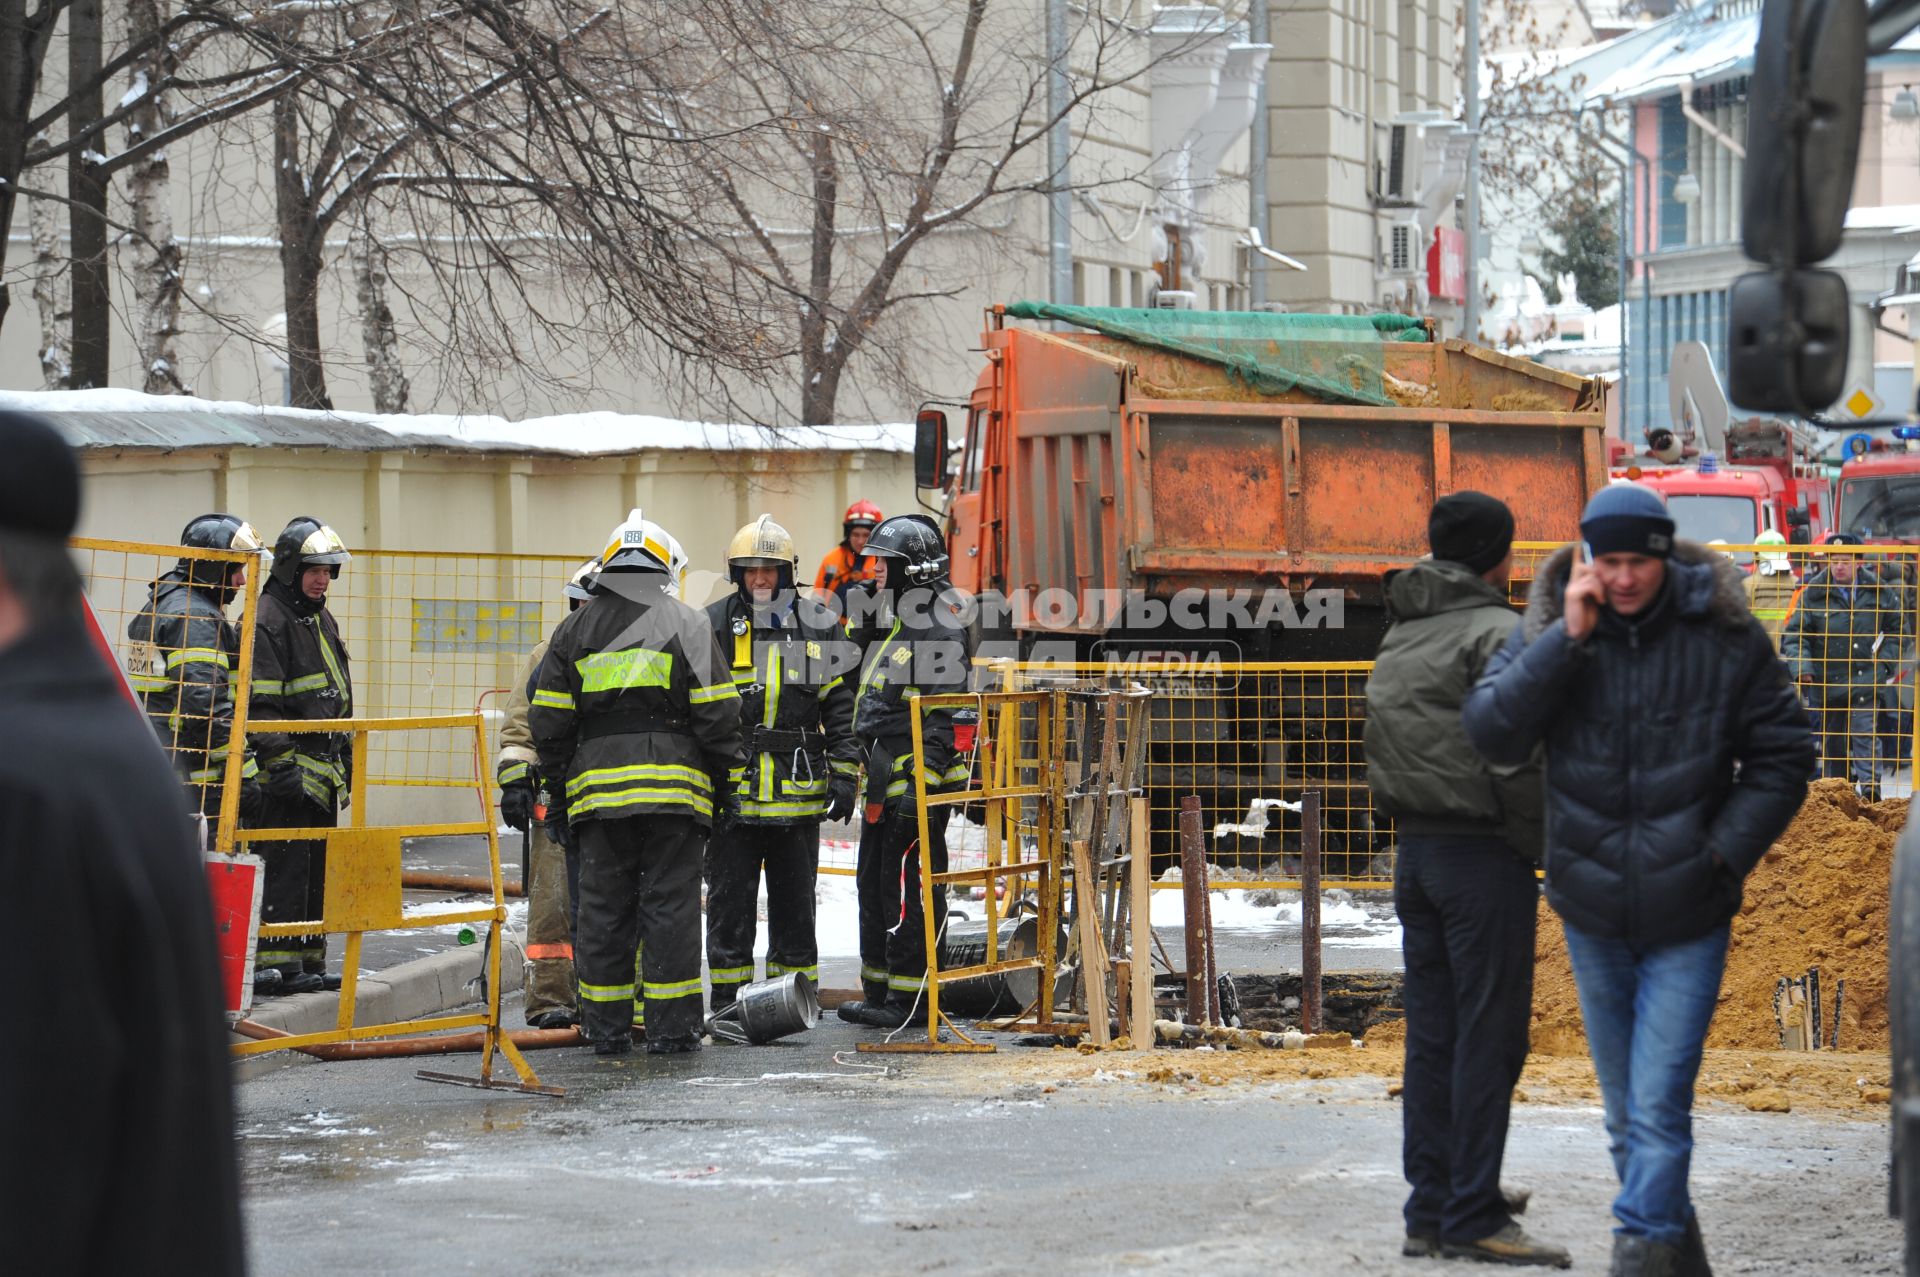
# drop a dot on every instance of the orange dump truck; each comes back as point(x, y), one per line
point(1234, 486)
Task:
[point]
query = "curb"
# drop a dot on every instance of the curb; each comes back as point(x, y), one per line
point(411, 991)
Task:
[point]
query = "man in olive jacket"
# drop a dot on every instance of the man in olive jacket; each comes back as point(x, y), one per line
point(1469, 836)
point(1676, 752)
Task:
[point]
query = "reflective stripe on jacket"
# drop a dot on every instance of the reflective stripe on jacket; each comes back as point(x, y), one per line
point(301, 671)
point(793, 669)
point(633, 709)
point(189, 696)
point(922, 652)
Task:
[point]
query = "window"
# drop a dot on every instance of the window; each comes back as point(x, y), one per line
point(1115, 294)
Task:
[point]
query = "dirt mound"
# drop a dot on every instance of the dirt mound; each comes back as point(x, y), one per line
point(1818, 898)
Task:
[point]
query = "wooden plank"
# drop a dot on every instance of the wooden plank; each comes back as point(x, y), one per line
point(1140, 882)
point(1093, 953)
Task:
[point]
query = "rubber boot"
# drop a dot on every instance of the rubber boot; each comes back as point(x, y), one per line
point(673, 1046)
point(301, 982)
point(621, 1045)
point(1637, 1256)
point(266, 982)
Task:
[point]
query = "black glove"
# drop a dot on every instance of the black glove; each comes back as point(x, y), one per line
point(283, 783)
point(253, 799)
point(558, 829)
point(516, 803)
point(726, 808)
point(840, 796)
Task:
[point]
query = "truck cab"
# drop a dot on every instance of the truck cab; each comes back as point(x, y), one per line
point(1880, 497)
point(1771, 481)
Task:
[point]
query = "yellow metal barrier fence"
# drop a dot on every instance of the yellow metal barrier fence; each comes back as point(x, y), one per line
point(363, 894)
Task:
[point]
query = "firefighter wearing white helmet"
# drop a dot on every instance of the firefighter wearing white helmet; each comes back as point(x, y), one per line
point(636, 728)
point(300, 671)
point(791, 665)
point(550, 872)
point(922, 650)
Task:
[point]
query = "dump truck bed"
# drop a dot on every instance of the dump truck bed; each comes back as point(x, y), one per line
point(1130, 466)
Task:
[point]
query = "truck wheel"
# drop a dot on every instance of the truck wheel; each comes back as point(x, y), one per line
point(1903, 946)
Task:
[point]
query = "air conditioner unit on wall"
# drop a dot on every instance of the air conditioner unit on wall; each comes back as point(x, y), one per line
point(1403, 248)
point(1173, 299)
point(1404, 181)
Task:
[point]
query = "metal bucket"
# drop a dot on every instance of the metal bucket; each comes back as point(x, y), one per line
point(768, 1010)
point(1001, 994)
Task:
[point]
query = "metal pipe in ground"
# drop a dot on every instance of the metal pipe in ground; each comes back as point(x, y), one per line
point(1310, 983)
point(458, 882)
point(425, 1044)
point(1193, 892)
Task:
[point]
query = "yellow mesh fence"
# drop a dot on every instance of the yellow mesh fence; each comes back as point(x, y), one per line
point(441, 634)
point(184, 647)
point(436, 634)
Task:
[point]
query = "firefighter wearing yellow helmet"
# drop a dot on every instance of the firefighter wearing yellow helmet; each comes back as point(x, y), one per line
point(551, 872)
point(636, 730)
point(790, 661)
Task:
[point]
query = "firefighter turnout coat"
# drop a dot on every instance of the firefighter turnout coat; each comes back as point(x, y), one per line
point(792, 669)
point(300, 671)
point(923, 651)
point(188, 655)
point(633, 712)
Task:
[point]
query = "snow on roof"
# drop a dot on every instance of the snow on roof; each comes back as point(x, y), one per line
point(111, 418)
point(1699, 45)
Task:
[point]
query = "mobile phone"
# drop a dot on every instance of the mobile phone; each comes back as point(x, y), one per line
point(1586, 552)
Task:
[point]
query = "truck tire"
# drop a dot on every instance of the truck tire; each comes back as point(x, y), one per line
point(1903, 1006)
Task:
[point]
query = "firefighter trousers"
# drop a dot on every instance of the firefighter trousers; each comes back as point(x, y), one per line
point(639, 876)
point(893, 949)
point(549, 974)
point(295, 884)
point(736, 856)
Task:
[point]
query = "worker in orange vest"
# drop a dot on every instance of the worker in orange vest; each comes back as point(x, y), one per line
point(847, 563)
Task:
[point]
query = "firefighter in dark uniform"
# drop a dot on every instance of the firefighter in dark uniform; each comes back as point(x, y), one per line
point(186, 656)
point(635, 718)
point(796, 711)
point(300, 671)
point(922, 651)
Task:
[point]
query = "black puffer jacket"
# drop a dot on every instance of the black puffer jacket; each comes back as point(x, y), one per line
point(1670, 739)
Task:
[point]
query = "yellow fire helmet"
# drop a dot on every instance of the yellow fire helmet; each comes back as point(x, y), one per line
point(641, 545)
point(763, 544)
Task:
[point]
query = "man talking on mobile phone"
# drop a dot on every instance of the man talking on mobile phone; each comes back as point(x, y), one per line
point(1676, 751)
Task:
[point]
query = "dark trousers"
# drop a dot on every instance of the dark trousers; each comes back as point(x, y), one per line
point(639, 876)
point(1467, 909)
point(893, 947)
point(790, 857)
point(1844, 735)
point(295, 886)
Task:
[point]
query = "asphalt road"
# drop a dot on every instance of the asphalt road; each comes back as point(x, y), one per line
point(804, 1157)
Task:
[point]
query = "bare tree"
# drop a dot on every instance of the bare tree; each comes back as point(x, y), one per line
point(835, 142)
point(158, 262)
point(384, 371)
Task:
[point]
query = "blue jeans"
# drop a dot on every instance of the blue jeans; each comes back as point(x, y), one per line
point(1646, 1013)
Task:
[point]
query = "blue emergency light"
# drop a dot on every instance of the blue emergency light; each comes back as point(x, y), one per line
point(1709, 464)
point(1906, 432)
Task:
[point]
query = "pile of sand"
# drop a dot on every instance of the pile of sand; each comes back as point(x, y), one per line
point(1818, 898)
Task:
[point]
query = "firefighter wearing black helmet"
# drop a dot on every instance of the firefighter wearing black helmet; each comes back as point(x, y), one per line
point(792, 666)
point(921, 649)
point(300, 671)
point(186, 656)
